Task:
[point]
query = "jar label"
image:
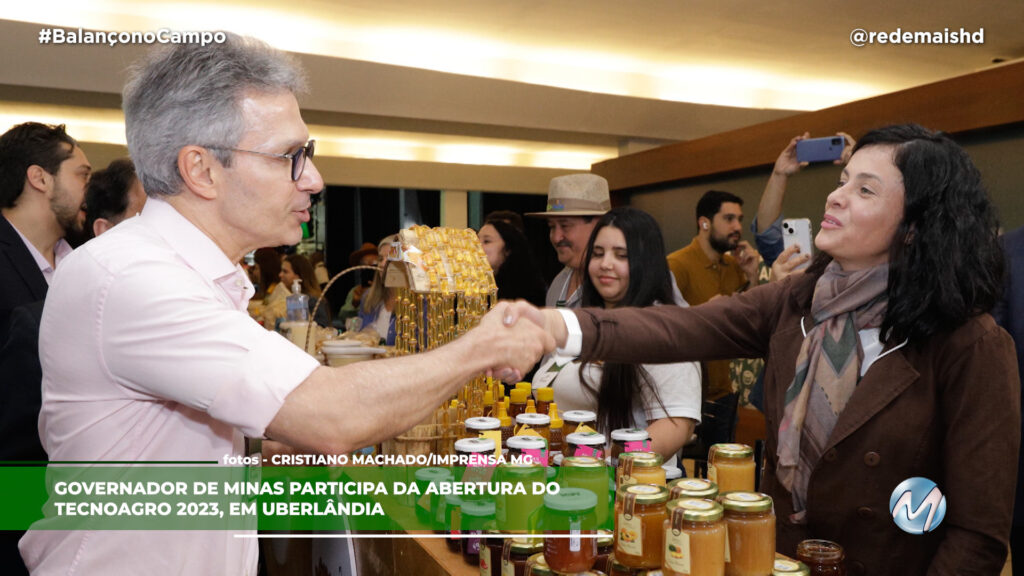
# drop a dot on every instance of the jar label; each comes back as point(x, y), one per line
point(588, 451)
point(485, 561)
point(677, 551)
point(637, 446)
point(508, 568)
point(631, 536)
point(728, 545)
point(574, 534)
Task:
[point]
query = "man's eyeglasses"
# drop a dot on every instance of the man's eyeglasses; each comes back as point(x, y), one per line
point(298, 158)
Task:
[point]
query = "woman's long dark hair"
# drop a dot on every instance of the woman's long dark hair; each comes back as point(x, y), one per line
point(519, 275)
point(649, 282)
point(945, 262)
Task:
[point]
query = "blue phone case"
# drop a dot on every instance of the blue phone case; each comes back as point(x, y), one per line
point(827, 149)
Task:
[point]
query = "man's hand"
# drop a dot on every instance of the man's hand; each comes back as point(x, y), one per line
point(847, 150)
point(787, 262)
point(748, 259)
point(786, 164)
point(512, 347)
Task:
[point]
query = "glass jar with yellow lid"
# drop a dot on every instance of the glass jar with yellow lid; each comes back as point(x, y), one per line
point(694, 538)
point(536, 565)
point(639, 525)
point(640, 468)
point(750, 521)
point(731, 466)
point(629, 440)
point(692, 488)
point(591, 474)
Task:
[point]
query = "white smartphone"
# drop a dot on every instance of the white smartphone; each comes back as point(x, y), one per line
point(798, 231)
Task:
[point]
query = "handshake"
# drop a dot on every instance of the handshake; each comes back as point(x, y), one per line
point(514, 335)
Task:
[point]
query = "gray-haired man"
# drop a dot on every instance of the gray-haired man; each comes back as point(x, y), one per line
point(174, 369)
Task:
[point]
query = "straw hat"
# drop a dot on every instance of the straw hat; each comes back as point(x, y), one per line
point(366, 248)
point(576, 195)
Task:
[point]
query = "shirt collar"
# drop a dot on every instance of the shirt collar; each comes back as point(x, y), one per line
point(60, 250)
point(704, 260)
point(197, 249)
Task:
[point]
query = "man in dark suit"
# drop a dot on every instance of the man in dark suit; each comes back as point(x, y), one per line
point(43, 175)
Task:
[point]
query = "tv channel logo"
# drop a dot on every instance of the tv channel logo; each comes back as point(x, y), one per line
point(917, 505)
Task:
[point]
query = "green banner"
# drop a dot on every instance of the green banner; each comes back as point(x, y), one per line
point(367, 498)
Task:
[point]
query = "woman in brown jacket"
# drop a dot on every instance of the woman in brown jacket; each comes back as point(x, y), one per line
point(882, 363)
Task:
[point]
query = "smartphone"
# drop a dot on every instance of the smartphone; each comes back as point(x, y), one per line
point(798, 231)
point(826, 149)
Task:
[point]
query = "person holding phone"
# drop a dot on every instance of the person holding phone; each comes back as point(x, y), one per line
point(767, 224)
point(882, 362)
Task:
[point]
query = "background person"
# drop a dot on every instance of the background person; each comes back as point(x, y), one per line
point(626, 267)
point(114, 194)
point(515, 270)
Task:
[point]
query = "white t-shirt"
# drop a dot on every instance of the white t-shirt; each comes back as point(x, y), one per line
point(678, 386)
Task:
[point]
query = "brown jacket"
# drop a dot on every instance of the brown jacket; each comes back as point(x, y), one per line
point(947, 411)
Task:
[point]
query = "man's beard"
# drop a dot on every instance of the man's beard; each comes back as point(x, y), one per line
point(69, 219)
point(722, 246)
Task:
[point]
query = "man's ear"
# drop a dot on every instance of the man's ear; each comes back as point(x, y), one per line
point(198, 169)
point(100, 225)
point(38, 178)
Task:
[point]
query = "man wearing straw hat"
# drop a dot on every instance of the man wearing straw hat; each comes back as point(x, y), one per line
point(574, 203)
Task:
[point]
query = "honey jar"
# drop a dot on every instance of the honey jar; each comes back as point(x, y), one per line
point(750, 521)
point(692, 488)
point(590, 444)
point(515, 553)
point(525, 448)
point(640, 525)
point(539, 423)
point(575, 418)
point(605, 549)
point(640, 468)
point(513, 512)
point(785, 567)
point(591, 474)
point(452, 512)
point(629, 440)
point(569, 515)
point(477, 517)
point(694, 538)
point(475, 427)
point(490, 553)
point(428, 506)
point(731, 466)
point(822, 557)
point(536, 565)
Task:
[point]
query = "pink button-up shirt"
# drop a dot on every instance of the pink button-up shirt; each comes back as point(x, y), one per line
point(148, 354)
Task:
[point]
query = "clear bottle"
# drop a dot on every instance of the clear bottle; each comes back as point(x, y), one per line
point(297, 304)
